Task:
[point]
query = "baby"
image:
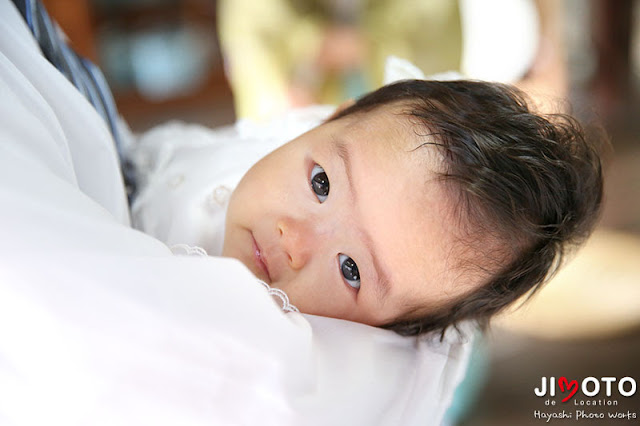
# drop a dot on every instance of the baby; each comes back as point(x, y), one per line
point(422, 204)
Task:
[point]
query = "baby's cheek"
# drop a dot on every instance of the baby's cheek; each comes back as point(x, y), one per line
point(320, 296)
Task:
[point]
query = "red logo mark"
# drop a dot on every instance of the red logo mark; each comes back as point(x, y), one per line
point(567, 385)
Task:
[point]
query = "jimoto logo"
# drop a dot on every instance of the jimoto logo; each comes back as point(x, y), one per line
point(589, 387)
point(593, 398)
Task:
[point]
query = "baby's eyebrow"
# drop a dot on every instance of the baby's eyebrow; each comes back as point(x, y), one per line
point(341, 149)
point(383, 284)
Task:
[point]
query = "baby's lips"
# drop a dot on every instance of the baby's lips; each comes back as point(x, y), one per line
point(260, 259)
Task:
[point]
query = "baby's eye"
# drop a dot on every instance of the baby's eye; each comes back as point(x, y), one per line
point(349, 271)
point(319, 183)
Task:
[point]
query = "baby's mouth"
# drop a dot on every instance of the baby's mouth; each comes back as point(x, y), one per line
point(260, 260)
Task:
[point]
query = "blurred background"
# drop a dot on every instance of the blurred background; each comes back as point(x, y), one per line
point(161, 57)
point(164, 60)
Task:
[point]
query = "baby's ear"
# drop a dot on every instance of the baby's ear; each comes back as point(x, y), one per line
point(346, 104)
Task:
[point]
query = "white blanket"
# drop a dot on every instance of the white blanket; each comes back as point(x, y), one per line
point(100, 324)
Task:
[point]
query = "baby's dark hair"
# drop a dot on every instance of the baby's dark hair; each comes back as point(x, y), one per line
point(531, 181)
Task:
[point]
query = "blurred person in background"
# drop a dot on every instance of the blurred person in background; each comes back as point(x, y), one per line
point(287, 53)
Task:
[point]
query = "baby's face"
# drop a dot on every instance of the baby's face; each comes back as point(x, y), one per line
point(350, 221)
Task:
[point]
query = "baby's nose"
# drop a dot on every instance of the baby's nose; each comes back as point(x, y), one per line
point(298, 240)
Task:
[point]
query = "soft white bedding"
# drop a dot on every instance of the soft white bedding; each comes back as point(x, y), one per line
point(101, 324)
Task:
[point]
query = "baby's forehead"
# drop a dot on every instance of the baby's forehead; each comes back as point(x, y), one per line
point(407, 135)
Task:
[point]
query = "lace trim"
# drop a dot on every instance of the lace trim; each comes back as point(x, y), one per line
point(280, 295)
point(187, 250)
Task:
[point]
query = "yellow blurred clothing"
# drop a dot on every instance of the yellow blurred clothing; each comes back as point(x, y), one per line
point(276, 50)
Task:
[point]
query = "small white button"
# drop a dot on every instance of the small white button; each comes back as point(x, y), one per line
point(219, 196)
point(175, 181)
